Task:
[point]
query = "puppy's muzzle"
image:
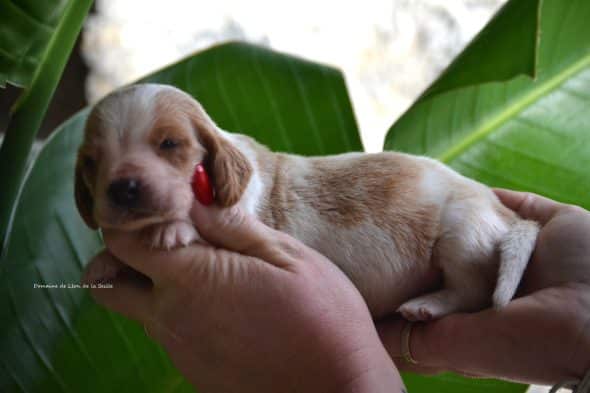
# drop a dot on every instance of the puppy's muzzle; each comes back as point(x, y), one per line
point(125, 193)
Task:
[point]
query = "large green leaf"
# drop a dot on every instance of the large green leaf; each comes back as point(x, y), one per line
point(522, 133)
point(518, 20)
point(59, 340)
point(26, 28)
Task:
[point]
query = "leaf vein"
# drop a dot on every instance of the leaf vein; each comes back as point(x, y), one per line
point(503, 116)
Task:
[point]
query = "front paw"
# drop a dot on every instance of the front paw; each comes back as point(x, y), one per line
point(170, 235)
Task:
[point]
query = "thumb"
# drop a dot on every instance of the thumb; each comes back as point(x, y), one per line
point(487, 343)
point(529, 205)
point(446, 344)
point(419, 343)
point(233, 229)
point(124, 290)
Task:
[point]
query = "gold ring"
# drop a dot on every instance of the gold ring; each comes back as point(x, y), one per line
point(406, 337)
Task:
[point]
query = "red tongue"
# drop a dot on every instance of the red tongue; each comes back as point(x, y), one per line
point(202, 186)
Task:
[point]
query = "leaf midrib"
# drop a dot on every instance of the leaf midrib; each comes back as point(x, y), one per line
point(487, 127)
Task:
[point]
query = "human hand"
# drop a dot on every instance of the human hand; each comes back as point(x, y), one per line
point(542, 336)
point(265, 314)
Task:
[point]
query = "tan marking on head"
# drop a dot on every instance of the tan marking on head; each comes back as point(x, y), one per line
point(173, 124)
point(228, 168)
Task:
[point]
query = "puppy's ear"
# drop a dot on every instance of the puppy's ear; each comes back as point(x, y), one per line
point(228, 167)
point(231, 173)
point(84, 199)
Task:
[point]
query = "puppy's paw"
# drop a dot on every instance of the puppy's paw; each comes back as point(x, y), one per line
point(415, 311)
point(171, 235)
point(435, 305)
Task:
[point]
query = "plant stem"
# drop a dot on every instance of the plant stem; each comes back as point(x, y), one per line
point(28, 112)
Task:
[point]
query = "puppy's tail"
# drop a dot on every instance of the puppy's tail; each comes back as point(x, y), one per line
point(516, 248)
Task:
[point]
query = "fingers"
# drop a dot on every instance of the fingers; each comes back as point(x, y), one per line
point(122, 290)
point(448, 344)
point(529, 205)
point(232, 229)
point(159, 265)
point(492, 343)
point(390, 332)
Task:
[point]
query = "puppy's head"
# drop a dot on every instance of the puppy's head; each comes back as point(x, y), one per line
point(140, 148)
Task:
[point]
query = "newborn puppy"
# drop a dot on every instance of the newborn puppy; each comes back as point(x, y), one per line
point(388, 220)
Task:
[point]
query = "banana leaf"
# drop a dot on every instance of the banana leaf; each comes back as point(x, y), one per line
point(522, 133)
point(26, 28)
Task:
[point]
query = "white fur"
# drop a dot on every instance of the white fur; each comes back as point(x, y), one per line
point(515, 250)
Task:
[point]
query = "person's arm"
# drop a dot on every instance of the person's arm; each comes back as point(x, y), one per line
point(264, 313)
point(541, 337)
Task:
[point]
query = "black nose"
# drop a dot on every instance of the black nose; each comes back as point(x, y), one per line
point(124, 192)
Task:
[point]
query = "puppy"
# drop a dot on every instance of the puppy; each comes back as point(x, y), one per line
point(387, 220)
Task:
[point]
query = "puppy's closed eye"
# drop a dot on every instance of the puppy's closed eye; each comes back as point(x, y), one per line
point(168, 144)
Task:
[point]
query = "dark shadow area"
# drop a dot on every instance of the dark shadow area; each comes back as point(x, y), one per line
point(69, 96)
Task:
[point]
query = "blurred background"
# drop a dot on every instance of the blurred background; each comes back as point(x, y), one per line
point(389, 50)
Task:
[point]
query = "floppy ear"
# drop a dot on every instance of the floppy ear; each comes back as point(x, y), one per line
point(84, 199)
point(228, 167)
point(231, 173)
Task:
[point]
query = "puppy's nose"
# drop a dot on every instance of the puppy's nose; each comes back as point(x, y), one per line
point(124, 192)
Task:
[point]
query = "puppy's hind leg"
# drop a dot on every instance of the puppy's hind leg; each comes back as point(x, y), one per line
point(431, 306)
point(464, 291)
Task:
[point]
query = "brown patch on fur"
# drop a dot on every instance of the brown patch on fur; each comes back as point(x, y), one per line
point(280, 196)
point(414, 227)
point(375, 188)
point(229, 170)
point(340, 191)
point(414, 231)
point(380, 188)
point(169, 125)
